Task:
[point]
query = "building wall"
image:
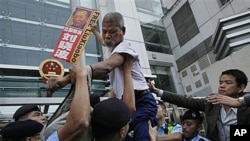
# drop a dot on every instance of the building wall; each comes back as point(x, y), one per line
point(238, 60)
point(206, 15)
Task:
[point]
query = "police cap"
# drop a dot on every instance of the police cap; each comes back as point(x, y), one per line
point(24, 110)
point(19, 129)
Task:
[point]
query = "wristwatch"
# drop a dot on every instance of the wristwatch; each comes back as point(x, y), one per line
point(242, 100)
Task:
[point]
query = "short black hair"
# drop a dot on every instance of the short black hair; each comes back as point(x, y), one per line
point(161, 103)
point(239, 75)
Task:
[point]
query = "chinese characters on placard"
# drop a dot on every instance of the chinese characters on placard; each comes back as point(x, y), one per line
point(75, 35)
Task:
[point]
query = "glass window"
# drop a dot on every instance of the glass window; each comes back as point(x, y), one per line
point(188, 88)
point(184, 73)
point(184, 24)
point(164, 79)
point(198, 84)
point(29, 30)
point(156, 39)
point(149, 6)
point(205, 78)
point(222, 2)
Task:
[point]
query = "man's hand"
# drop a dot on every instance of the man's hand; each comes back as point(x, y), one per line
point(57, 82)
point(93, 27)
point(77, 71)
point(152, 132)
point(150, 85)
point(152, 88)
point(222, 99)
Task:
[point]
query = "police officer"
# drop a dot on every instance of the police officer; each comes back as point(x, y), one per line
point(191, 125)
point(27, 130)
point(29, 111)
point(167, 131)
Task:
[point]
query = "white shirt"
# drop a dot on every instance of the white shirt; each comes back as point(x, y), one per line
point(224, 122)
point(116, 76)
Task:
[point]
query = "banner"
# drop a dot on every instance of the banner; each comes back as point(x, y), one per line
point(75, 35)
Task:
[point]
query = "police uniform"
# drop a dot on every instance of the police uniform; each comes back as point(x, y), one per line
point(170, 127)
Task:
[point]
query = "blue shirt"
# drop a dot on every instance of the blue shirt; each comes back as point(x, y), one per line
point(53, 137)
point(176, 129)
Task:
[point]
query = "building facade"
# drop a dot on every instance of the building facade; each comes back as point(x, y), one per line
point(30, 30)
point(197, 30)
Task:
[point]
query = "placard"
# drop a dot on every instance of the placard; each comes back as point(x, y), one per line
point(75, 35)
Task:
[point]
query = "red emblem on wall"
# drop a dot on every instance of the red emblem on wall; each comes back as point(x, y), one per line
point(49, 68)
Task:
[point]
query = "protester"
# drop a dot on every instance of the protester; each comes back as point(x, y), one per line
point(27, 130)
point(218, 117)
point(230, 101)
point(113, 31)
point(167, 131)
point(191, 123)
point(128, 98)
point(77, 121)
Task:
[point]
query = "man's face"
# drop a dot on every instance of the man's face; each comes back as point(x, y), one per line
point(228, 86)
point(112, 34)
point(80, 18)
point(37, 116)
point(190, 128)
point(161, 112)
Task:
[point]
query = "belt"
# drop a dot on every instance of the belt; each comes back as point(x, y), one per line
point(140, 93)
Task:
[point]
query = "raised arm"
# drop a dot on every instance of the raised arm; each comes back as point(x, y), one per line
point(97, 34)
point(101, 69)
point(128, 92)
point(78, 119)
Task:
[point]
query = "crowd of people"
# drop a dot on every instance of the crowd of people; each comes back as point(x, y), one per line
point(131, 112)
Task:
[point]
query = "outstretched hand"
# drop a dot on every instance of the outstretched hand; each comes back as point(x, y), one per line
point(151, 86)
point(222, 99)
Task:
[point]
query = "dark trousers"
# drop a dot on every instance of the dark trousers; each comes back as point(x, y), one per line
point(146, 110)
